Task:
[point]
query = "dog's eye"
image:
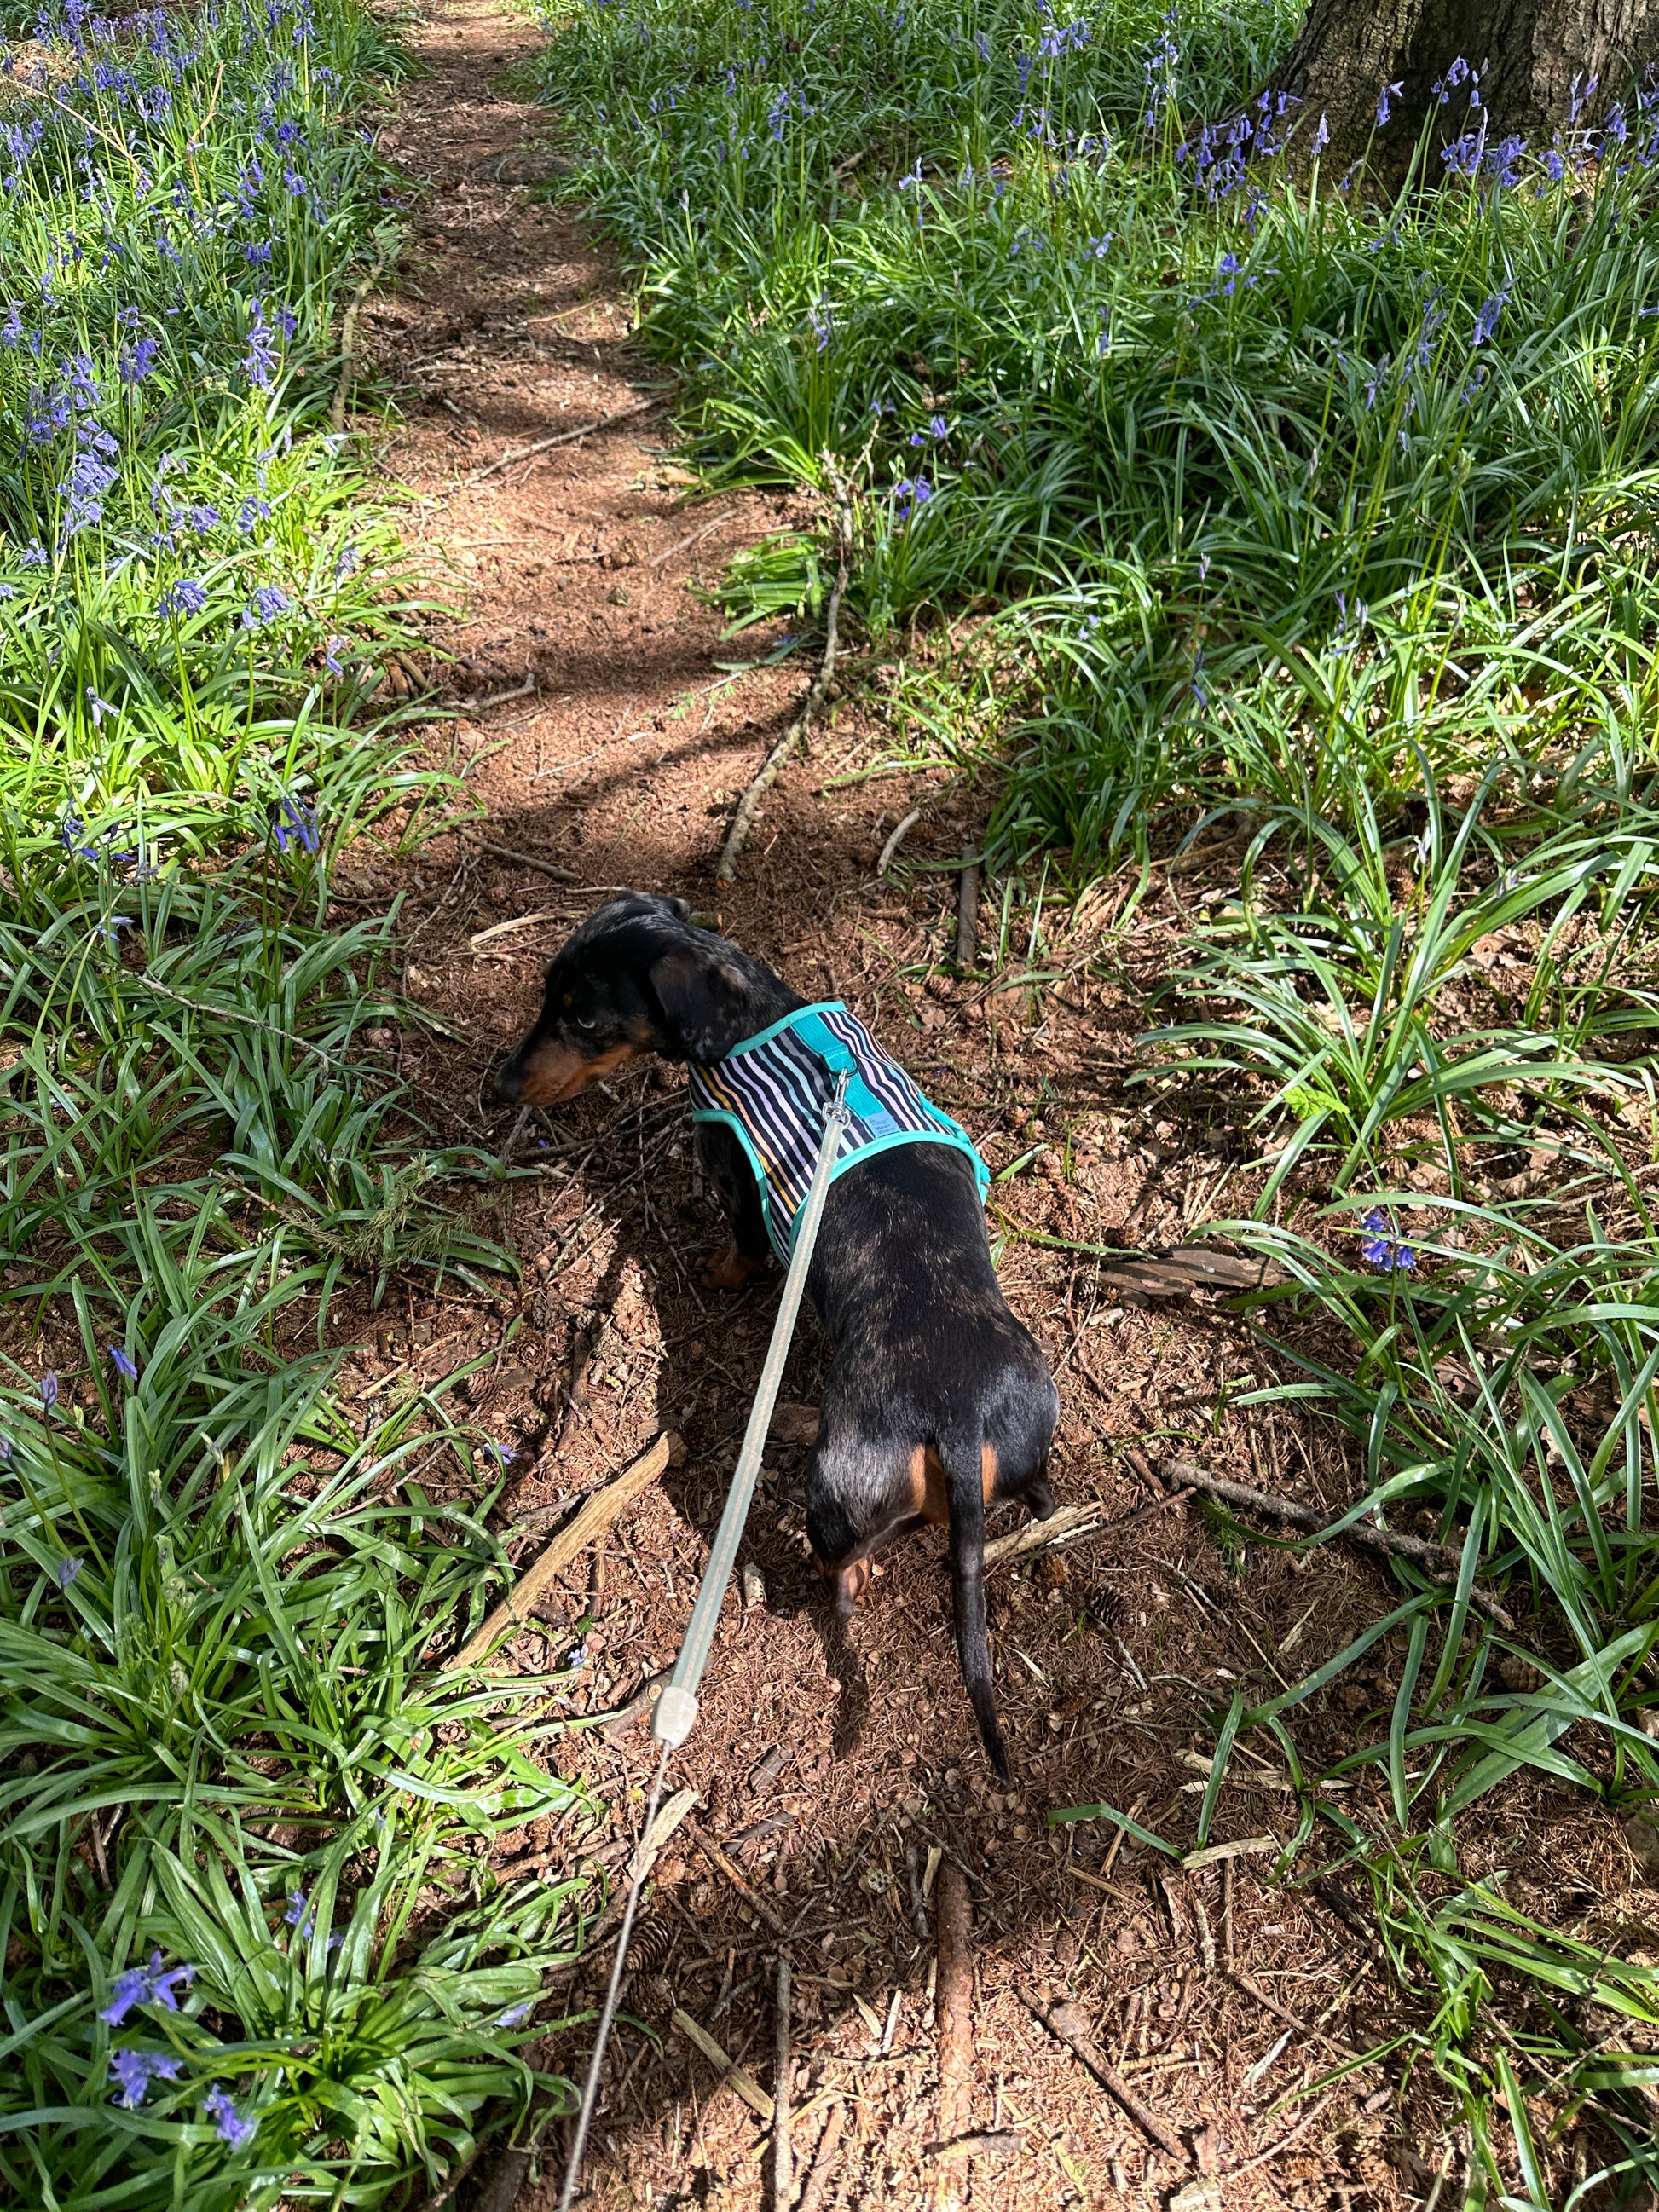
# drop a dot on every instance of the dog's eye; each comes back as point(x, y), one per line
point(582, 1023)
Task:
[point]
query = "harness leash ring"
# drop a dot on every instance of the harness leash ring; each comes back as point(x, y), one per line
point(676, 1712)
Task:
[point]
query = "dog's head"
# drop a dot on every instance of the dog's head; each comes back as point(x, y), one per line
point(637, 976)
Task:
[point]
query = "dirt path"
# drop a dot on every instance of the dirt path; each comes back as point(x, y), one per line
point(835, 1775)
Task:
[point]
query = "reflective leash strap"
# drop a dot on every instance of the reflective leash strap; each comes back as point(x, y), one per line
point(675, 1711)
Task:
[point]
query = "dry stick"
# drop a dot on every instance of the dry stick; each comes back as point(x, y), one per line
point(1283, 2144)
point(749, 805)
point(596, 1514)
point(524, 859)
point(1438, 1560)
point(564, 438)
point(823, 2159)
point(734, 1874)
point(953, 1996)
point(967, 916)
point(726, 2066)
point(348, 348)
point(900, 833)
point(1065, 2024)
point(684, 545)
point(780, 2163)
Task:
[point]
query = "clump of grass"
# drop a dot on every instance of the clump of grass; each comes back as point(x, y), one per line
point(1269, 479)
point(188, 571)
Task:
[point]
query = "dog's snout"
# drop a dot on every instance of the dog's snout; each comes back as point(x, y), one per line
point(508, 1081)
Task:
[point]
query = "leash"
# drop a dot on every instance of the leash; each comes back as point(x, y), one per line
point(675, 1713)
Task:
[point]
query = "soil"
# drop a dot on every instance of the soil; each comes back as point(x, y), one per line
point(838, 1772)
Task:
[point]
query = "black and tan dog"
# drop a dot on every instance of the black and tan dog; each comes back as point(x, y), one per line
point(937, 1401)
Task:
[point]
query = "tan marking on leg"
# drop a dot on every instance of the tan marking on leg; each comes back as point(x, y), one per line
point(988, 1471)
point(729, 1269)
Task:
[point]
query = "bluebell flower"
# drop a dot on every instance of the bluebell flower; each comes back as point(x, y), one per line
point(515, 2015)
point(270, 600)
point(937, 426)
point(822, 317)
point(294, 824)
point(1485, 321)
point(501, 1452)
point(33, 555)
point(185, 598)
point(252, 513)
point(232, 2127)
point(48, 1383)
point(1379, 1249)
point(202, 517)
point(1384, 97)
point(134, 2070)
point(136, 360)
point(259, 361)
point(299, 1915)
point(67, 1568)
point(331, 651)
point(123, 1363)
point(148, 1984)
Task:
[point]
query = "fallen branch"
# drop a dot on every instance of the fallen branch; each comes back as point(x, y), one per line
point(901, 832)
point(726, 2067)
point(967, 916)
point(564, 438)
point(506, 928)
point(749, 805)
point(693, 537)
point(1037, 1535)
point(524, 859)
point(1439, 1561)
point(734, 1872)
point(1065, 2023)
point(781, 2184)
point(475, 706)
point(953, 1997)
point(823, 2159)
point(999, 2143)
point(596, 1514)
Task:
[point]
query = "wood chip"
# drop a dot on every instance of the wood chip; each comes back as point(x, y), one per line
point(999, 2142)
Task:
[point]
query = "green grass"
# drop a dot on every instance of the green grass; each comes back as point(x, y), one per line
point(254, 1949)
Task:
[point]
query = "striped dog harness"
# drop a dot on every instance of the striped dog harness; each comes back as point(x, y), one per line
point(772, 1091)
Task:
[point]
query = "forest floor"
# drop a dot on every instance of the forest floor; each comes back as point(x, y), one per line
point(831, 1774)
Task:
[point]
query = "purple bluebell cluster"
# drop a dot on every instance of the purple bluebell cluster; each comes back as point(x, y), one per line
point(230, 2126)
point(294, 825)
point(1379, 1248)
point(154, 1983)
point(132, 2072)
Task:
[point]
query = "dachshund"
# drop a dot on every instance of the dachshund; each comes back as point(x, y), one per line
point(937, 1401)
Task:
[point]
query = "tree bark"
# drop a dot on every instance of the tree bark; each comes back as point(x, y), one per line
point(1527, 54)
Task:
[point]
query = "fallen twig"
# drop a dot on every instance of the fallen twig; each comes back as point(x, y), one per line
point(726, 2067)
point(1065, 2024)
point(901, 831)
point(1284, 2143)
point(596, 1514)
point(749, 805)
point(685, 544)
point(506, 928)
point(734, 1872)
point(1438, 1560)
point(996, 2143)
point(953, 1998)
point(781, 2188)
point(823, 2159)
point(564, 438)
point(524, 859)
point(491, 699)
point(968, 915)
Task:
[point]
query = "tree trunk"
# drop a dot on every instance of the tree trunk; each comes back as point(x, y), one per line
point(1528, 56)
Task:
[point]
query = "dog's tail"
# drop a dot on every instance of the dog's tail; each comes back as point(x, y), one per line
point(961, 1458)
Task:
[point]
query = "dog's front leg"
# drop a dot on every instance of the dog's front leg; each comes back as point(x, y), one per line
point(726, 1165)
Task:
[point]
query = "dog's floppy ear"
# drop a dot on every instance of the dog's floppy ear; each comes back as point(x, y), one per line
point(704, 1001)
